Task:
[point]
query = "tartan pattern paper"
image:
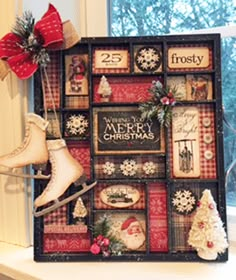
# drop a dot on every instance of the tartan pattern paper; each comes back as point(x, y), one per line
point(126, 89)
point(81, 152)
point(98, 204)
point(110, 70)
point(181, 224)
point(207, 166)
point(54, 74)
point(66, 243)
point(158, 225)
point(210, 66)
point(159, 171)
point(76, 102)
point(57, 217)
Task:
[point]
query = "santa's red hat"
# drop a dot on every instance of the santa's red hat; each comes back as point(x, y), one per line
point(127, 222)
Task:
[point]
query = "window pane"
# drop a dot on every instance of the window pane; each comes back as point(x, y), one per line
point(229, 100)
point(151, 17)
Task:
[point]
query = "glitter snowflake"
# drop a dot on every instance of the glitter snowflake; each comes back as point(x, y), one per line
point(184, 201)
point(148, 59)
point(129, 167)
point(76, 124)
point(108, 168)
point(149, 167)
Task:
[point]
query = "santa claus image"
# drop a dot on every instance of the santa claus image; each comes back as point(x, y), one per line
point(132, 233)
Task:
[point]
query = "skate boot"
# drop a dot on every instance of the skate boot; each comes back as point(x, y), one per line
point(33, 150)
point(65, 171)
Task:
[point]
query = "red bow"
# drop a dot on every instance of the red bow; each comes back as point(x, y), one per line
point(47, 32)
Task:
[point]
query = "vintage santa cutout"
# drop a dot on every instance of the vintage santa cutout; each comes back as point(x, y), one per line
point(132, 233)
point(185, 142)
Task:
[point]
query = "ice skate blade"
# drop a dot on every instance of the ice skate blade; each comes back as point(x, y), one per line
point(64, 201)
point(39, 175)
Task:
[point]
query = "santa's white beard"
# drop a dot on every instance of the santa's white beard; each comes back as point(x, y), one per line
point(132, 241)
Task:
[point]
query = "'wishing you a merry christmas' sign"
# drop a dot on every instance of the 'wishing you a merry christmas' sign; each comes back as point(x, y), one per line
point(122, 130)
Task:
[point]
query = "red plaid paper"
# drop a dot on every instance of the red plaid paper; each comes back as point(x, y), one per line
point(100, 205)
point(66, 243)
point(111, 70)
point(53, 72)
point(125, 89)
point(57, 217)
point(210, 66)
point(207, 166)
point(81, 152)
point(158, 217)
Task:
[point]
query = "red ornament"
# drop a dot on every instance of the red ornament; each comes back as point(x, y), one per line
point(211, 206)
point(199, 203)
point(95, 249)
point(210, 244)
point(201, 225)
point(48, 32)
point(106, 242)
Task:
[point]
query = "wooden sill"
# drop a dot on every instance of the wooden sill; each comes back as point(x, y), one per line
point(17, 263)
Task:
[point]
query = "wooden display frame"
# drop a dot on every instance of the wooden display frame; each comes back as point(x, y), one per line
point(136, 182)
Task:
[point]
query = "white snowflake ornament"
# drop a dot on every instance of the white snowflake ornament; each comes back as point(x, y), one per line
point(76, 125)
point(148, 59)
point(149, 168)
point(184, 201)
point(108, 168)
point(129, 167)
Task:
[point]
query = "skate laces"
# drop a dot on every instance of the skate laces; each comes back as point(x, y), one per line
point(23, 144)
point(48, 85)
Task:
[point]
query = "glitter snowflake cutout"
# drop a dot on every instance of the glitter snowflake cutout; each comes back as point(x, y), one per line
point(148, 59)
point(149, 168)
point(76, 125)
point(129, 167)
point(108, 168)
point(184, 201)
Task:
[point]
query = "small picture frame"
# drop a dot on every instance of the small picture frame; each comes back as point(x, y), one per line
point(199, 87)
point(76, 68)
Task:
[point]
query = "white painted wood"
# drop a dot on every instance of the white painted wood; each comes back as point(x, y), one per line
point(14, 219)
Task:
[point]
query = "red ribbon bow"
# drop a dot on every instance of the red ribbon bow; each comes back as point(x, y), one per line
point(48, 31)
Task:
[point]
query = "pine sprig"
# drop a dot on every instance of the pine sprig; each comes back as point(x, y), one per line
point(102, 227)
point(160, 104)
point(101, 231)
point(24, 28)
point(24, 25)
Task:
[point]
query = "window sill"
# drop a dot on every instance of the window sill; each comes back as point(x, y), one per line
point(17, 263)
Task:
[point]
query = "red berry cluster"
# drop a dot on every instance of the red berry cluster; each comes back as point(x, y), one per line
point(168, 100)
point(100, 245)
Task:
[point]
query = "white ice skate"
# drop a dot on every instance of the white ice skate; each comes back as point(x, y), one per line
point(65, 170)
point(33, 150)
